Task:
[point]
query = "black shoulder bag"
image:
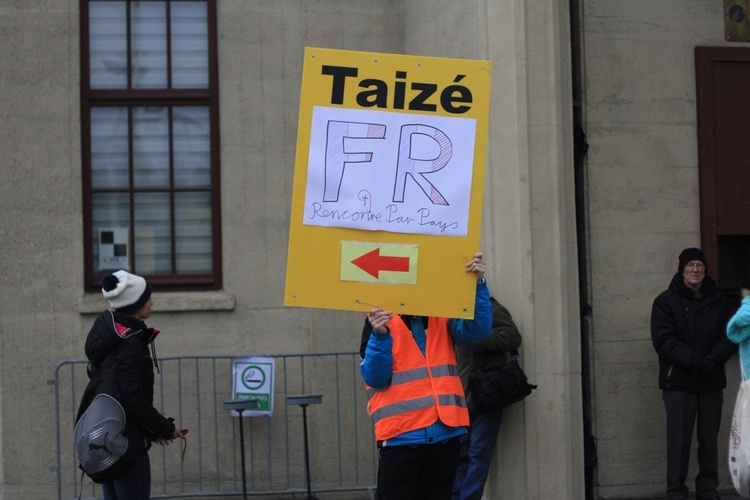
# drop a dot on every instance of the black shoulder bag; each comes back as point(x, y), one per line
point(500, 386)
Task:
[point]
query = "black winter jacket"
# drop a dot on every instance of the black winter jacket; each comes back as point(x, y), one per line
point(688, 330)
point(134, 368)
point(490, 352)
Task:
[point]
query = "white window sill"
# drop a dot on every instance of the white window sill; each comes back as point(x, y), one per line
point(168, 302)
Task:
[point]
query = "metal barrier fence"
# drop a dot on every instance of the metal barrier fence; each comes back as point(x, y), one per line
point(192, 389)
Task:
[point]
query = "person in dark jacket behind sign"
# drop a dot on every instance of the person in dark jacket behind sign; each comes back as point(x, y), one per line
point(123, 329)
point(688, 325)
point(477, 446)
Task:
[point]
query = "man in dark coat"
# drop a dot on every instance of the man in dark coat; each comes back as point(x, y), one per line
point(688, 330)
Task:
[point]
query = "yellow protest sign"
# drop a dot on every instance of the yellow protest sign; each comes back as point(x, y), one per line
point(388, 182)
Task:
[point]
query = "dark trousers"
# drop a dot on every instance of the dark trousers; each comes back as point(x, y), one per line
point(417, 472)
point(476, 454)
point(684, 408)
point(135, 484)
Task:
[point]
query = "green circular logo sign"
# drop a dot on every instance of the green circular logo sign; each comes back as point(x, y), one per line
point(253, 377)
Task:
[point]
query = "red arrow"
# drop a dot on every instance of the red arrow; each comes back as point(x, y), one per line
point(372, 263)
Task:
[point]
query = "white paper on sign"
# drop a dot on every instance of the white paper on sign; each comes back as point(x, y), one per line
point(385, 171)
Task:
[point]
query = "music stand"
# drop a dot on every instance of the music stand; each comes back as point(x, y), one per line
point(303, 400)
point(240, 405)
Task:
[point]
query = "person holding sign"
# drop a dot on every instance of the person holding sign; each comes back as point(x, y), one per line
point(416, 399)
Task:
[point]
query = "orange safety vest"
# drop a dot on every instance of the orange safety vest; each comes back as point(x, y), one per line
point(422, 389)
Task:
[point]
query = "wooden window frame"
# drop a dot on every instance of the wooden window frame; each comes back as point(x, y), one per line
point(129, 98)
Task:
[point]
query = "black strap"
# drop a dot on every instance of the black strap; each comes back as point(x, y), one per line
point(80, 492)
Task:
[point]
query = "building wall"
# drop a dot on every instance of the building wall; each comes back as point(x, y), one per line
point(40, 235)
point(640, 113)
point(642, 203)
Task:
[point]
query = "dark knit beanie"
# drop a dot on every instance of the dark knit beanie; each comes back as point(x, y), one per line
point(690, 254)
point(126, 292)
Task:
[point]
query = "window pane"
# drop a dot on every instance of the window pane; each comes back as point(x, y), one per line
point(149, 44)
point(153, 243)
point(189, 31)
point(109, 147)
point(108, 62)
point(192, 146)
point(193, 232)
point(150, 147)
point(148, 151)
point(110, 213)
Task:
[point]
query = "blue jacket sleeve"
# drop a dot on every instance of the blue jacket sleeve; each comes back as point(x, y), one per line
point(738, 329)
point(377, 365)
point(467, 331)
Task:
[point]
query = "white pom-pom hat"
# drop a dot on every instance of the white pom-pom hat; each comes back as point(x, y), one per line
point(126, 292)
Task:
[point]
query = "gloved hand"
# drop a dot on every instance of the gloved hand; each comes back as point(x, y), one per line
point(706, 367)
point(714, 362)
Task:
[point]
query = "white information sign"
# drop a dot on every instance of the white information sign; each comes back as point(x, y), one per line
point(386, 171)
point(253, 378)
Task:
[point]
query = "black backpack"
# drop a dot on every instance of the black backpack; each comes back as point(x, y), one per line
point(101, 432)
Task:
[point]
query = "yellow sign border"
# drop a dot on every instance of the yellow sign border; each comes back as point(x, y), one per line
point(313, 274)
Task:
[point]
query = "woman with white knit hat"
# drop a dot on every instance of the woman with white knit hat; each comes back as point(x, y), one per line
point(122, 333)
